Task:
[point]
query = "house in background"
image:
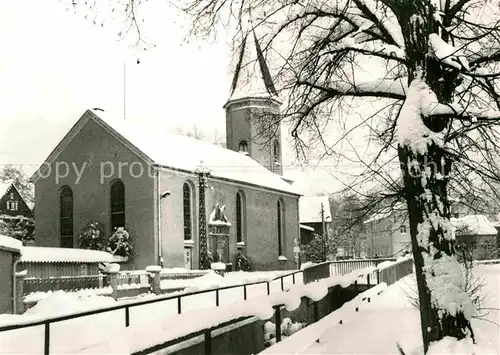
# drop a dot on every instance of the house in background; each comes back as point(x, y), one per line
point(13, 206)
point(478, 234)
point(129, 173)
point(388, 232)
point(315, 214)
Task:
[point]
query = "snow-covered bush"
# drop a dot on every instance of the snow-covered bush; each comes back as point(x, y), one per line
point(474, 286)
point(22, 230)
point(218, 266)
point(243, 263)
point(92, 236)
point(120, 243)
point(287, 329)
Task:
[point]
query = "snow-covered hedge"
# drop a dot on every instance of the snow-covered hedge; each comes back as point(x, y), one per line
point(287, 328)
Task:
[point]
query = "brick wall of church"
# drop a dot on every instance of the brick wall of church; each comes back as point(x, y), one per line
point(91, 147)
point(260, 230)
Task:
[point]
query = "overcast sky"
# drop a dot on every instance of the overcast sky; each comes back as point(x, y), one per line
point(54, 65)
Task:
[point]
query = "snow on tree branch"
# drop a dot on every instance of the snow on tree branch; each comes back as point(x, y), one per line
point(383, 50)
point(447, 53)
point(387, 25)
point(392, 89)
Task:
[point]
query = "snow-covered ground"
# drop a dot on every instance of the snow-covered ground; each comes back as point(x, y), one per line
point(99, 327)
point(390, 318)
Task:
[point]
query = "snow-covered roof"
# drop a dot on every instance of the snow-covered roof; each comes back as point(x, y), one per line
point(4, 186)
point(386, 212)
point(184, 153)
point(64, 255)
point(310, 209)
point(477, 224)
point(10, 244)
point(252, 77)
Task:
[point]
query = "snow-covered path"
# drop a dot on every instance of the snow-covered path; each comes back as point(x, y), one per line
point(390, 318)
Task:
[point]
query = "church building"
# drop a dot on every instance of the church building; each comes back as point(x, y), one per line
point(131, 174)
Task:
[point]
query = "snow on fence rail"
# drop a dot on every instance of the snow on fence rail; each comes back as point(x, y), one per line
point(140, 340)
point(302, 340)
point(386, 273)
point(127, 313)
point(342, 267)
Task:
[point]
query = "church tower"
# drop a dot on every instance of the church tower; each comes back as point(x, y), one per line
point(253, 108)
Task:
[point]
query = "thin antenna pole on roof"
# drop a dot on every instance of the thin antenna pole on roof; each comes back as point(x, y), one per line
point(124, 90)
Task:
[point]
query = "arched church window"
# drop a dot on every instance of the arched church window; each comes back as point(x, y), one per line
point(117, 204)
point(276, 151)
point(280, 227)
point(66, 217)
point(187, 203)
point(243, 146)
point(240, 216)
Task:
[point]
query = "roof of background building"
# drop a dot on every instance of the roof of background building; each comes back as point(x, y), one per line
point(4, 186)
point(310, 209)
point(386, 212)
point(477, 224)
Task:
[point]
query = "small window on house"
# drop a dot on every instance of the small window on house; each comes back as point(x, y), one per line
point(243, 146)
point(276, 151)
point(12, 205)
point(187, 203)
point(66, 217)
point(239, 217)
point(403, 229)
point(279, 213)
point(117, 204)
point(11, 195)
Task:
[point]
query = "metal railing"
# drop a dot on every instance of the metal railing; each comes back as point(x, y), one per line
point(336, 268)
point(395, 272)
point(46, 323)
point(346, 266)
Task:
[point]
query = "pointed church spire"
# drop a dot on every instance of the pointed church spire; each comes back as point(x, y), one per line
point(252, 78)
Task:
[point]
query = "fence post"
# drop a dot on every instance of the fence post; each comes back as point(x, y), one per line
point(245, 292)
point(368, 279)
point(46, 344)
point(282, 286)
point(378, 276)
point(155, 279)
point(268, 289)
point(127, 316)
point(278, 323)
point(18, 302)
point(179, 307)
point(217, 297)
point(293, 279)
point(208, 342)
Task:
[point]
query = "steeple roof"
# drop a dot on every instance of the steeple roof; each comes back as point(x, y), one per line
point(252, 78)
